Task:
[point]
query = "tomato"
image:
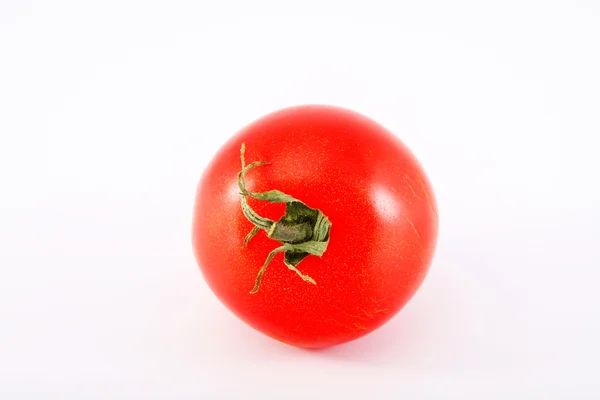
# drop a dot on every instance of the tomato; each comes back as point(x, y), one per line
point(326, 232)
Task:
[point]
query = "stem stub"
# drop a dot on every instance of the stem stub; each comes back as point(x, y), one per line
point(302, 231)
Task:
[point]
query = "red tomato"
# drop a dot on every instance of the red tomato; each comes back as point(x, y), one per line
point(354, 225)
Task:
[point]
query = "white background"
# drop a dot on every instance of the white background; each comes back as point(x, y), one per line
point(110, 110)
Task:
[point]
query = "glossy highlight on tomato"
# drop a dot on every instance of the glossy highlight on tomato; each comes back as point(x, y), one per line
point(315, 225)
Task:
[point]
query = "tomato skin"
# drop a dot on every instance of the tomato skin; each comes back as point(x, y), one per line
point(370, 186)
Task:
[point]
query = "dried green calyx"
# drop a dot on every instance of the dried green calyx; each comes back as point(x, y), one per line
point(302, 231)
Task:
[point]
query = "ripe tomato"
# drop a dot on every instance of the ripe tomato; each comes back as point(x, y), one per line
point(327, 241)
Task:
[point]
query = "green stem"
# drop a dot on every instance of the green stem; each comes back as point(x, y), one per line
point(290, 233)
point(302, 231)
